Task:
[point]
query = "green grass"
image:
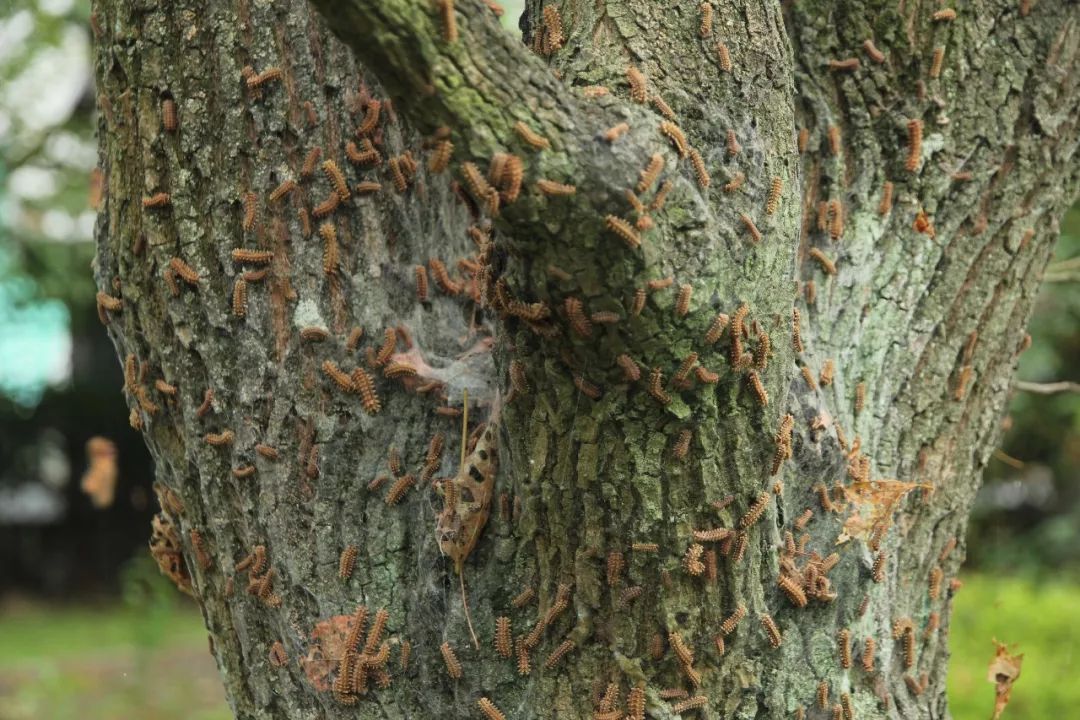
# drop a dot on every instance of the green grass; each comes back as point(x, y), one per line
point(1041, 619)
point(146, 656)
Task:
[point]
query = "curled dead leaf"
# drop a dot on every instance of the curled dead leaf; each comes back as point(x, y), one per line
point(1004, 670)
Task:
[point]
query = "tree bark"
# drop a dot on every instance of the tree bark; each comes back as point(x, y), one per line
point(609, 432)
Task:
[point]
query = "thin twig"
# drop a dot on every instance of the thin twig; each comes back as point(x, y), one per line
point(1008, 459)
point(1051, 388)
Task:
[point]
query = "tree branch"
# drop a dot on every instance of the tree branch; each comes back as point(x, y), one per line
point(1051, 388)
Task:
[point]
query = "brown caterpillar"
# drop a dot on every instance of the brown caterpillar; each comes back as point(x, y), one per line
point(685, 367)
point(252, 257)
point(638, 303)
point(165, 388)
point(914, 156)
point(281, 190)
point(833, 135)
point(860, 397)
point(878, 570)
point(705, 29)
point(758, 388)
point(367, 187)
point(552, 188)
point(184, 271)
point(531, 137)
point(631, 371)
point(868, 655)
point(692, 560)
point(638, 91)
point(453, 666)
point(845, 65)
point(490, 711)
point(442, 277)
point(239, 297)
point(796, 330)
point(368, 156)
point(389, 345)
point(755, 511)
point(682, 302)
point(936, 576)
point(773, 201)
point(558, 654)
point(716, 328)
point(935, 64)
point(337, 179)
point(327, 206)
point(706, 376)
point(330, 248)
point(682, 444)
point(401, 183)
point(338, 376)
point(700, 171)
point(371, 118)
point(909, 647)
point(255, 81)
point(651, 172)
point(802, 140)
point(310, 161)
point(347, 561)
point(615, 132)
point(553, 30)
point(793, 590)
point(675, 134)
point(823, 260)
point(225, 437)
point(420, 273)
point(624, 230)
point(811, 292)
point(594, 91)
point(763, 351)
point(168, 115)
point(823, 694)
point(397, 491)
point(748, 222)
point(662, 107)
point(250, 211)
point(771, 630)
point(199, 547)
point(808, 376)
point(587, 388)
point(697, 701)
point(365, 385)
point(604, 317)
point(579, 322)
point(843, 640)
point(872, 51)
point(945, 15)
point(157, 200)
point(723, 56)
point(733, 146)
point(886, 199)
point(655, 387)
point(950, 545)
point(440, 157)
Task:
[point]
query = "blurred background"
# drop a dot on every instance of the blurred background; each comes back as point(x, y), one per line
point(90, 629)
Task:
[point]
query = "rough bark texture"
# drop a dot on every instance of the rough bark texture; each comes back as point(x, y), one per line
point(927, 316)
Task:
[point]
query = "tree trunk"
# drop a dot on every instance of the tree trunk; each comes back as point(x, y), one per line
point(816, 351)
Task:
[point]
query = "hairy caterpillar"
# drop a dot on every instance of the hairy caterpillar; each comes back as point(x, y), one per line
point(168, 114)
point(796, 330)
point(771, 630)
point(878, 570)
point(631, 371)
point(748, 222)
point(811, 292)
point(286, 187)
point(845, 65)
point(254, 80)
point(735, 183)
point(558, 654)
point(950, 545)
point(936, 62)
point(490, 711)
point(655, 387)
point(277, 655)
point(872, 51)
point(330, 248)
point(389, 345)
point(908, 639)
point(624, 230)
point(836, 219)
point(914, 156)
point(615, 132)
point(945, 15)
point(239, 297)
point(199, 546)
point(833, 134)
point(552, 188)
point(692, 564)
point(685, 367)
point(716, 328)
point(579, 322)
point(823, 260)
point(157, 200)
point(705, 29)
point(886, 199)
point(843, 641)
point(531, 137)
point(604, 317)
point(225, 437)
point(732, 145)
point(755, 511)
point(682, 445)
point(758, 388)
point(675, 134)
point(700, 170)
point(442, 277)
point(723, 56)
point(337, 179)
point(615, 565)
point(662, 107)
point(311, 160)
point(793, 590)
point(651, 172)
point(397, 491)
point(682, 302)
point(638, 91)
point(184, 271)
point(252, 257)
point(773, 201)
point(706, 376)
point(553, 30)
point(587, 388)
point(762, 351)
point(638, 303)
point(823, 694)
point(250, 210)
point(338, 376)
point(802, 140)
point(347, 561)
point(440, 157)
point(936, 576)
point(453, 666)
point(365, 385)
point(697, 701)
point(371, 118)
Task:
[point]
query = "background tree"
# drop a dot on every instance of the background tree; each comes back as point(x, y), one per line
point(852, 202)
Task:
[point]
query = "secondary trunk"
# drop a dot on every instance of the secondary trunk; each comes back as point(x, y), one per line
point(707, 351)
